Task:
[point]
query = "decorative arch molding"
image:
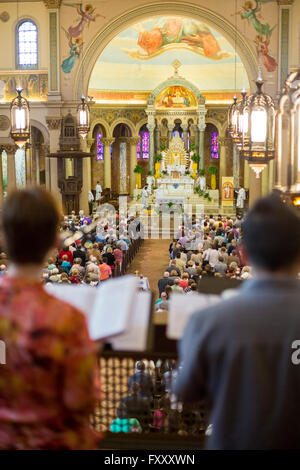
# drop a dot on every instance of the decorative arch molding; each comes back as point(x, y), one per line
point(139, 125)
point(43, 129)
point(178, 81)
point(217, 124)
point(104, 124)
point(219, 23)
point(123, 120)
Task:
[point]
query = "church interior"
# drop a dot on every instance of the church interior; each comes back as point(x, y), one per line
point(156, 128)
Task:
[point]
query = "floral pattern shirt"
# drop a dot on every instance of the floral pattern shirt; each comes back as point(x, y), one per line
point(49, 384)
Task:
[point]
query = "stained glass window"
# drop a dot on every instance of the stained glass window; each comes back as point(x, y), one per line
point(27, 40)
point(214, 145)
point(138, 150)
point(145, 144)
point(100, 147)
point(142, 148)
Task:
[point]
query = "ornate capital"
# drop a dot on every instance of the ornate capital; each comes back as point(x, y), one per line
point(9, 148)
point(53, 123)
point(134, 140)
point(224, 141)
point(107, 141)
point(52, 4)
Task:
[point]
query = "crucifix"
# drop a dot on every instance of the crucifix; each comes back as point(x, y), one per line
point(176, 64)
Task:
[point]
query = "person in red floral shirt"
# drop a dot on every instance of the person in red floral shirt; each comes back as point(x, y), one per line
point(49, 384)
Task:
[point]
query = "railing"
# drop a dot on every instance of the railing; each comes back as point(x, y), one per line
point(128, 257)
point(138, 408)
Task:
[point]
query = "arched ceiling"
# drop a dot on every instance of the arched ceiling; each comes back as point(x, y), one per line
point(139, 58)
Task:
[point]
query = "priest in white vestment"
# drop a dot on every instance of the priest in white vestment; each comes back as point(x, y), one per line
point(241, 198)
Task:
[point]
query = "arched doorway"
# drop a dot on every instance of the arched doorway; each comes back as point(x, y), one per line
point(121, 158)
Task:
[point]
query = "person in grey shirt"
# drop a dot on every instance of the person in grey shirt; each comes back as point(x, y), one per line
point(221, 267)
point(239, 355)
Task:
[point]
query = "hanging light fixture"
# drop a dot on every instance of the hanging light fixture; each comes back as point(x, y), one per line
point(232, 118)
point(258, 133)
point(243, 121)
point(20, 123)
point(288, 138)
point(83, 118)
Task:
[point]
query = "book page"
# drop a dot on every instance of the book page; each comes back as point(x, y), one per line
point(108, 308)
point(136, 336)
point(81, 297)
point(113, 307)
point(182, 307)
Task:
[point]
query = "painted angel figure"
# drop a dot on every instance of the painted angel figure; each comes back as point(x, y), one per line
point(87, 14)
point(250, 11)
point(75, 51)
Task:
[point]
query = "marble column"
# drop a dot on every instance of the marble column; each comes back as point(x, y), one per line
point(53, 67)
point(157, 138)
point(201, 146)
point(133, 162)
point(223, 143)
point(53, 124)
point(185, 135)
point(11, 167)
point(151, 128)
point(107, 142)
point(254, 188)
point(265, 181)
point(271, 175)
point(236, 167)
point(84, 193)
point(36, 149)
point(196, 138)
point(246, 174)
point(89, 144)
point(170, 132)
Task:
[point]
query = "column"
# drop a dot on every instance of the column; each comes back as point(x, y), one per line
point(254, 188)
point(11, 167)
point(54, 70)
point(284, 39)
point(196, 132)
point(157, 138)
point(236, 167)
point(151, 128)
point(107, 142)
point(201, 146)
point(246, 174)
point(53, 124)
point(36, 154)
point(271, 175)
point(223, 142)
point(170, 132)
point(89, 144)
point(185, 135)
point(133, 162)
point(84, 193)
point(265, 181)
point(124, 141)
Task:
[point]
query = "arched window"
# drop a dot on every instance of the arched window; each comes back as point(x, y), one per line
point(100, 147)
point(142, 148)
point(27, 45)
point(214, 144)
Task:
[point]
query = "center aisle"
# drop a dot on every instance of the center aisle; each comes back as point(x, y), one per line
point(151, 261)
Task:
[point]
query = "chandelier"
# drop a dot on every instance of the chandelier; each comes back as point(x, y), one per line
point(257, 127)
point(83, 118)
point(288, 137)
point(20, 123)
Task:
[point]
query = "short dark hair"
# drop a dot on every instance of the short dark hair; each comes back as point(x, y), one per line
point(271, 233)
point(30, 219)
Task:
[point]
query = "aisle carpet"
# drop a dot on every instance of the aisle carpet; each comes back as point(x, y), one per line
point(151, 261)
